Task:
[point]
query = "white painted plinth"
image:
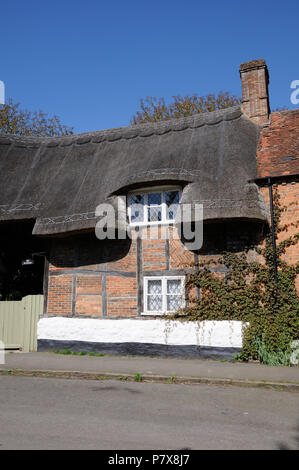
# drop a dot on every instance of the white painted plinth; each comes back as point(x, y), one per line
point(207, 333)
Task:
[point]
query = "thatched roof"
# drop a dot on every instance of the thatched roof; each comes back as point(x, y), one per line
point(59, 182)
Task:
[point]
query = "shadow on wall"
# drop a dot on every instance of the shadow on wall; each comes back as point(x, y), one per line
point(231, 236)
point(86, 250)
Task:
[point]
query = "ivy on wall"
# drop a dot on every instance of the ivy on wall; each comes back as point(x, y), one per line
point(250, 293)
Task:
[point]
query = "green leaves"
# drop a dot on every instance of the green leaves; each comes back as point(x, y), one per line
point(14, 120)
point(154, 109)
point(248, 292)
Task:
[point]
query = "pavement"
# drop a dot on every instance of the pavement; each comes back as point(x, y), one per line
point(151, 369)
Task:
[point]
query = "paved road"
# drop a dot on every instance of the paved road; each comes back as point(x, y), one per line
point(48, 413)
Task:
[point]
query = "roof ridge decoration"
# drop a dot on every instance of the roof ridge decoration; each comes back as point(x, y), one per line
point(129, 132)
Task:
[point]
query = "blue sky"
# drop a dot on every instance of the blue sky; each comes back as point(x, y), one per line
point(90, 61)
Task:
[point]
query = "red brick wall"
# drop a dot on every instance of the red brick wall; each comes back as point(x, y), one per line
point(278, 151)
point(289, 197)
point(60, 295)
point(88, 284)
point(154, 254)
point(178, 257)
point(121, 296)
point(88, 305)
point(79, 282)
point(278, 154)
point(127, 262)
point(88, 295)
point(255, 100)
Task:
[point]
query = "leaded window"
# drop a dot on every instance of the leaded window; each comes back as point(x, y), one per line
point(153, 207)
point(163, 294)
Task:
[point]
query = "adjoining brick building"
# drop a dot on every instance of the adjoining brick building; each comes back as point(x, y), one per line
point(107, 295)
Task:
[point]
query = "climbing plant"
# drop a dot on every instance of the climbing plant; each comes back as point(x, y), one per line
point(250, 292)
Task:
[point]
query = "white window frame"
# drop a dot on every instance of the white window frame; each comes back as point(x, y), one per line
point(145, 192)
point(164, 294)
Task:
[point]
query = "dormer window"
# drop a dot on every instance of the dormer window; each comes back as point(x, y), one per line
point(155, 206)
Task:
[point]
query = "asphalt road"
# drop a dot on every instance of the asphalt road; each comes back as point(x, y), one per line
point(48, 413)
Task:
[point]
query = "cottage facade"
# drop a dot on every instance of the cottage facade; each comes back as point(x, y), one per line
point(109, 294)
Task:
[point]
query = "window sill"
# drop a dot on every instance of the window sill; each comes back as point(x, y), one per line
point(151, 224)
point(156, 314)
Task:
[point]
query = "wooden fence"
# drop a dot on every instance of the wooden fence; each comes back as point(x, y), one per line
point(18, 322)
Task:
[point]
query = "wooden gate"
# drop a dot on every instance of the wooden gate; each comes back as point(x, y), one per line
point(18, 322)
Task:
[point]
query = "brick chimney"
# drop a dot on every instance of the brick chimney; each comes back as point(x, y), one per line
point(255, 97)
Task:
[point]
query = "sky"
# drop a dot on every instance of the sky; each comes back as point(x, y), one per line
point(89, 62)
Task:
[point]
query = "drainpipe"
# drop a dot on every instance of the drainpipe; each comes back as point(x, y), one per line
point(273, 230)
